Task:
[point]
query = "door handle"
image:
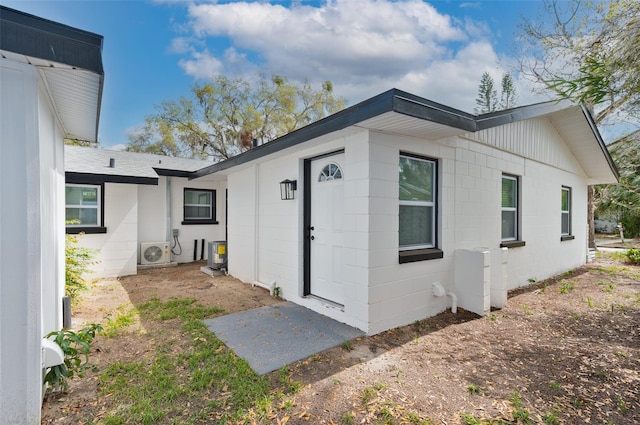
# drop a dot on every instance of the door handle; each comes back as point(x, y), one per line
point(311, 228)
point(312, 237)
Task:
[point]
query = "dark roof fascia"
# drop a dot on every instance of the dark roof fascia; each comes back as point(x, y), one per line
point(33, 36)
point(172, 173)
point(393, 100)
point(87, 178)
point(352, 115)
point(418, 107)
point(601, 143)
point(521, 113)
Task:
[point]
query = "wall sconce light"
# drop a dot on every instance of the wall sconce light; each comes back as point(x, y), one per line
point(287, 188)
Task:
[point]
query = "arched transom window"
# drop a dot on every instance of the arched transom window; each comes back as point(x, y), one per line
point(331, 171)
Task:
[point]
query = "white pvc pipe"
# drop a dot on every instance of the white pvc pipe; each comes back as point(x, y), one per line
point(454, 302)
point(270, 287)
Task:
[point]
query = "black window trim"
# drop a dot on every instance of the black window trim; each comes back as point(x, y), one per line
point(89, 230)
point(431, 253)
point(517, 242)
point(195, 221)
point(567, 236)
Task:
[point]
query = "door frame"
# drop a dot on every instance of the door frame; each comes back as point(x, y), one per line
point(306, 221)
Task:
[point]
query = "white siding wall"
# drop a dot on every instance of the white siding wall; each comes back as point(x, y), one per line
point(23, 270)
point(402, 293)
point(118, 247)
point(152, 214)
point(278, 224)
point(242, 224)
point(535, 139)
point(52, 214)
point(267, 238)
point(478, 178)
point(137, 213)
point(187, 233)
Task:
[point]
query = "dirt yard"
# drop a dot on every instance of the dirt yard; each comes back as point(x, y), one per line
point(564, 351)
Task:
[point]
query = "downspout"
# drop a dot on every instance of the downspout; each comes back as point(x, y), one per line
point(168, 210)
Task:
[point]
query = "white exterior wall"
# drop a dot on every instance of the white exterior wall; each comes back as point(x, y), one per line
point(241, 250)
point(138, 213)
point(30, 238)
point(266, 235)
point(469, 187)
point(52, 214)
point(152, 214)
point(118, 247)
point(479, 168)
point(402, 293)
point(187, 233)
point(155, 225)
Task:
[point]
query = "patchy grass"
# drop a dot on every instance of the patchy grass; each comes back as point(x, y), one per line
point(545, 358)
point(123, 319)
point(189, 378)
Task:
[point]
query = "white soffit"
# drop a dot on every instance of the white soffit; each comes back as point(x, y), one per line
point(575, 129)
point(75, 94)
point(395, 123)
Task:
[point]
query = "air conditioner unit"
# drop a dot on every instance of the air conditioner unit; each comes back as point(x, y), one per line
point(155, 253)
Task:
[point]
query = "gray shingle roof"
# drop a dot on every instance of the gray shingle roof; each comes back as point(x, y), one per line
point(130, 167)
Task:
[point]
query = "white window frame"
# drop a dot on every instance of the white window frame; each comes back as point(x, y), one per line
point(433, 204)
point(567, 212)
point(98, 205)
point(516, 223)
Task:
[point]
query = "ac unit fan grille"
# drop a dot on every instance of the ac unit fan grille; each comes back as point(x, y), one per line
point(153, 254)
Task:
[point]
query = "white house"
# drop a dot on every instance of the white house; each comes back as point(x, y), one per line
point(51, 80)
point(404, 206)
point(400, 207)
point(124, 202)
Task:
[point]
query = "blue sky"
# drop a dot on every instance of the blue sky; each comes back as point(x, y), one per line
point(156, 50)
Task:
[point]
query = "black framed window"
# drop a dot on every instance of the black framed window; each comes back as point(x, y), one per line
point(84, 205)
point(418, 198)
point(565, 213)
point(510, 212)
point(199, 206)
point(509, 208)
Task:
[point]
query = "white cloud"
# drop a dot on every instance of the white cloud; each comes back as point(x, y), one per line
point(363, 46)
point(180, 45)
point(201, 65)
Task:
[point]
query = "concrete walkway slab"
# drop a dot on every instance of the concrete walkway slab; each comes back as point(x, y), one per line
point(274, 336)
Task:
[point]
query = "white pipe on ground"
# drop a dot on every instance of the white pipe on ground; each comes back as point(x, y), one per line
point(438, 291)
point(270, 287)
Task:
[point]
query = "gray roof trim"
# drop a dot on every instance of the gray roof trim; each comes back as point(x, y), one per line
point(393, 100)
point(603, 146)
point(521, 113)
point(31, 35)
point(88, 178)
point(172, 173)
point(404, 103)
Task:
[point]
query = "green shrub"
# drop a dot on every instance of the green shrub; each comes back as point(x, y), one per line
point(73, 345)
point(633, 255)
point(77, 262)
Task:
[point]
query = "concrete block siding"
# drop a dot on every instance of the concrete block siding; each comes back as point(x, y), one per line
point(379, 292)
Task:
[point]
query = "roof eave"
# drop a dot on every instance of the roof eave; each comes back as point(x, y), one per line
point(96, 178)
point(50, 46)
point(601, 144)
point(393, 100)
